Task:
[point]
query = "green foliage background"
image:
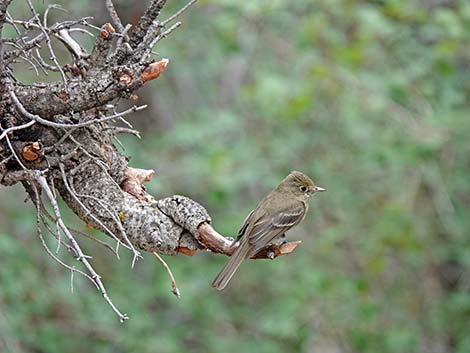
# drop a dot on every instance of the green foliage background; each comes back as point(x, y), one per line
point(371, 99)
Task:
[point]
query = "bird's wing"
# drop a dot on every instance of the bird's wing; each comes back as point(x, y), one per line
point(246, 223)
point(268, 228)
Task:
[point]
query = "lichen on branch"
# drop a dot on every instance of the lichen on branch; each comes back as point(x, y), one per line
point(57, 139)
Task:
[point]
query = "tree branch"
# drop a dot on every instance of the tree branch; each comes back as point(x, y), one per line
point(57, 139)
point(114, 16)
point(152, 12)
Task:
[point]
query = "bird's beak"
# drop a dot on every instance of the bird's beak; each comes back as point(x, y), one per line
point(318, 189)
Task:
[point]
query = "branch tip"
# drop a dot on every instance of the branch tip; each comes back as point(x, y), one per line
point(154, 70)
point(208, 237)
point(107, 30)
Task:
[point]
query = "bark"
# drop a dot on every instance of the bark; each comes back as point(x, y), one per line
point(57, 139)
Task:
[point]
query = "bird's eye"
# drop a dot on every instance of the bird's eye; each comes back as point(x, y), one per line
point(303, 188)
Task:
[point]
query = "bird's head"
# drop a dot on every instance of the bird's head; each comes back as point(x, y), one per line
point(300, 185)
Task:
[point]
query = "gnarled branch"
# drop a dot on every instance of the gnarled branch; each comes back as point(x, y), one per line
point(57, 139)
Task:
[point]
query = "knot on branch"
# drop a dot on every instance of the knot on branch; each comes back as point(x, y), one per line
point(107, 31)
point(185, 212)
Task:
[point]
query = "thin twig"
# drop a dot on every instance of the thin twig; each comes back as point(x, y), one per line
point(15, 128)
point(6, 159)
point(74, 231)
point(87, 211)
point(39, 222)
point(115, 218)
point(31, 63)
point(44, 64)
point(124, 130)
point(11, 56)
point(59, 237)
point(178, 13)
point(55, 233)
point(13, 152)
point(42, 27)
point(124, 37)
point(20, 39)
point(164, 34)
point(65, 38)
point(148, 48)
point(71, 43)
point(114, 16)
point(40, 120)
point(99, 241)
point(80, 255)
point(3, 14)
point(174, 288)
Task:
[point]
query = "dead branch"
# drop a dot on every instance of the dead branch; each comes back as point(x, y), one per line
point(114, 16)
point(174, 287)
point(152, 12)
point(56, 138)
point(41, 180)
point(217, 243)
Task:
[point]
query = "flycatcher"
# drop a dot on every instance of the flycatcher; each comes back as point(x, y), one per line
point(282, 209)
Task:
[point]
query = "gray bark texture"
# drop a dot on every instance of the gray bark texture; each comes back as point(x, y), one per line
point(61, 130)
point(65, 130)
point(57, 139)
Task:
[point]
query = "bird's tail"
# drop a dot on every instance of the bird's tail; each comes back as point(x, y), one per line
point(226, 274)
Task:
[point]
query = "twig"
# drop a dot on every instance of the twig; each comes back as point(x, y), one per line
point(139, 32)
point(42, 27)
point(124, 36)
point(44, 64)
point(21, 39)
point(3, 13)
point(99, 241)
point(80, 256)
point(62, 35)
point(164, 34)
point(59, 238)
point(31, 63)
point(14, 153)
point(124, 130)
point(40, 120)
point(54, 233)
point(148, 48)
point(11, 56)
point(71, 43)
point(74, 231)
point(87, 211)
point(178, 13)
point(153, 33)
point(15, 128)
point(215, 242)
point(128, 244)
point(114, 16)
point(174, 288)
point(6, 159)
point(46, 13)
point(39, 222)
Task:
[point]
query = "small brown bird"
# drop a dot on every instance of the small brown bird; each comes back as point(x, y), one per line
point(282, 209)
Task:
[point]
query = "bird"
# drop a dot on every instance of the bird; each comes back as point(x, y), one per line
point(280, 210)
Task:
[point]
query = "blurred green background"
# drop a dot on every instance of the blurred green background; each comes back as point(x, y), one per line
point(370, 98)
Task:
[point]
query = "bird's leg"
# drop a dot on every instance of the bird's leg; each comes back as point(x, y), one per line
point(281, 240)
